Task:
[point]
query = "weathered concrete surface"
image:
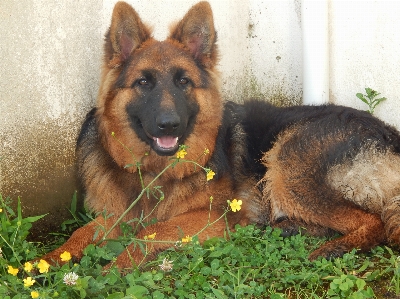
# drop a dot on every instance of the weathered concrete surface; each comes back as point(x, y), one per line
point(50, 60)
point(49, 74)
point(365, 47)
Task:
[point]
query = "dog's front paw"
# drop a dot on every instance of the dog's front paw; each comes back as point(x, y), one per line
point(328, 251)
point(288, 227)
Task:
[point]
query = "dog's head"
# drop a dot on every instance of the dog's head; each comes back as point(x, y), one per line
point(156, 95)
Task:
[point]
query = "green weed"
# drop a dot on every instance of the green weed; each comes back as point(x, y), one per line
point(370, 99)
point(13, 232)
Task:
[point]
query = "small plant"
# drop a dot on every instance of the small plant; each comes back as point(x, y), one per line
point(13, 232)
point(349, 286)
point(393, 271)
point(78, 218)
point(370, 99)
point(395, 281)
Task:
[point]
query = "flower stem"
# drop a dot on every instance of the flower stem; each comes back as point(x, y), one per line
point(134, 202)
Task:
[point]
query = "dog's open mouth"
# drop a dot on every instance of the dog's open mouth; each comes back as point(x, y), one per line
point(168, 145)
point(166, 142)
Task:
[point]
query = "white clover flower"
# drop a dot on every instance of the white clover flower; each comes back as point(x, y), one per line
point(166, 265)
point(70, 278)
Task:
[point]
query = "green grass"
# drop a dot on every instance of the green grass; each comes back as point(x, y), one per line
point(253, 263)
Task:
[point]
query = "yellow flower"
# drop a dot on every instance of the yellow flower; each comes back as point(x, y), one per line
point(187, 239)
point(236, 205)
point(151, 237)
point(28, 282)
point(34, 294)
point(43, 266)
point(206, 151)
point(65, 256)
point(1, 210)
point(28, 267)
point(210, 174)
point(181, 153)
point(13, 271)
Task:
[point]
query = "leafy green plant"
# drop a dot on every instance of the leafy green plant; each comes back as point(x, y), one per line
point(344, 286)
point(370, 99)
point(13, 232)
point(78, 218)
point(392, 271)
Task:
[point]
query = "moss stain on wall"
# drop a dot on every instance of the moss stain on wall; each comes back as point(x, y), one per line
point(250, 87)
point(39, 168)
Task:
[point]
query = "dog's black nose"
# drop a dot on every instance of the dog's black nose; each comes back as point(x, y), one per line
point(168, 123)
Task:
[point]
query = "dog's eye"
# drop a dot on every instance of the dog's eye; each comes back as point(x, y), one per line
point(183, 81)
point(143, 81)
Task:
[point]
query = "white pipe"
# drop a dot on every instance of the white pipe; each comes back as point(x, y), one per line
point(314, 20)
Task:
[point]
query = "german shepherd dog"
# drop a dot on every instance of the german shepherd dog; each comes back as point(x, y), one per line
point(325, 169)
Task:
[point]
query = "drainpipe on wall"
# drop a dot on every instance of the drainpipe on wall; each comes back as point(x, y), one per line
point(314, 20)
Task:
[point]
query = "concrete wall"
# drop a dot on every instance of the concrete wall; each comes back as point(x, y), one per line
point(50, 60)
point(49, 74)
point(365, 52)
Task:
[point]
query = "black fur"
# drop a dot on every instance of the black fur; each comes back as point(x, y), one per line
point(263, 123)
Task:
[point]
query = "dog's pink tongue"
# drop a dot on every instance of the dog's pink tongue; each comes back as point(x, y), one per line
point(167, 141)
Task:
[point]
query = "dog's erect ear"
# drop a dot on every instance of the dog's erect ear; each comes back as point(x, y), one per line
point(196, 31)
point(126, 33)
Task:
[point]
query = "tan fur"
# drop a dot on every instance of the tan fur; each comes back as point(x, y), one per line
point(370, 180)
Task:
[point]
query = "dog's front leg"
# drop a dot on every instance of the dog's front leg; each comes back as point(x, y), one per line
point(81, 238)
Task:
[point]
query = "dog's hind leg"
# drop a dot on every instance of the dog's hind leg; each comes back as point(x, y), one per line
point(322, 209)
point(360, 229)
point(297, 187)
point(391, 218)
point(372, 182)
